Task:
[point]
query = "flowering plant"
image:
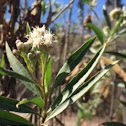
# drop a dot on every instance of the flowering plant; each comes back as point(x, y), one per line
point(36, 52)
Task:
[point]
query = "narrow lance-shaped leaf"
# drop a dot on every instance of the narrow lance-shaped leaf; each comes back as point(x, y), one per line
point(79, 92)
point(97, 31)
point(14, 74)
point(10, 105)
point(106, 16)
point(78, 79)
point(20, 69)
point(123, 31)
point(72, 61)
point(28, 29)
point(123, 103)
point(95, 14)
point(112, 124)
point(2, 61)
point(117, 54)
point(7, 118)
point(43, 7)
point(47, 78)
point(117, 26)
point(36, 100)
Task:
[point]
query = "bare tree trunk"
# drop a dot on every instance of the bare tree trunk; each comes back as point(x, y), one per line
point(67, 33)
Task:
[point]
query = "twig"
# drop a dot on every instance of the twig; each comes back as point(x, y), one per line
point(67, 6)
point(67, 32)
point(59, 121)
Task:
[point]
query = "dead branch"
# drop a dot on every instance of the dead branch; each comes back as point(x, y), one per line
point(67, 6)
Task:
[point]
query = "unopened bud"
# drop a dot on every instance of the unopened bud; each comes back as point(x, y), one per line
point(17, 41)
point(115, 14)
point(37, 53)
point(123, 23)
point(20, 46)
point(16, 52)
point(106, 30)
point(27, 46)
point(31, 56)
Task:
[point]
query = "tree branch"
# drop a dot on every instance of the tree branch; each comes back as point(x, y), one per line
point(67, 6)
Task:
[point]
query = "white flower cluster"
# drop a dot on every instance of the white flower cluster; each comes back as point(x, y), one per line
point(40, 37)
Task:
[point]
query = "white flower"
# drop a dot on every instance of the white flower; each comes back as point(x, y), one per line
point(40, 37)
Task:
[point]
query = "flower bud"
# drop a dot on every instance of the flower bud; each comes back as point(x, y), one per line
point(20, 46)
point(27, 46)
point(16, 52)
point(106, 31)
point(115, 14)
point(17, 41)
point(30, 56)
point(37, 54)
point(123, 23)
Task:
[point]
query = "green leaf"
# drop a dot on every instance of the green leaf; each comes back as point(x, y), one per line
point(86, 1)
point(123, 31)
point(123, 103)
point(117, 54)
point(78, 79)
point(36, 100)
point(95, 14)
point(97, 31)
point(106, 16)
point(117, 26)
point(43, 6)
point(113, 124)
point(28, 29)
point(14, 74)
point(47, 78)
point(79, 92)
point(10, 105)
point(72, 61)
point(7, 118)
point(20, 69)
point(2, 61)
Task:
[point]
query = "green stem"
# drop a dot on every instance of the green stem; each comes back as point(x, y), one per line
point(43, 64)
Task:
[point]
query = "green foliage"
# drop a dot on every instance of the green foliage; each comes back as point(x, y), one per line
point(10, 105)
point(48, 71)
point(86, 1)
point(106, 16)
point(28, 29)
point(2, 63)
point(36, 52)
point(117, 26)
point(74, 90)
point(79, 92)
point(113, 124)
point(123, 103)
point(117, 54)
point(78, 79)
point(36, 100)
point(72, 61)
point(44, 8)
point(7, 118)
point(97, 31)
point(20, 69)
point(14, 74)
point(78, 86)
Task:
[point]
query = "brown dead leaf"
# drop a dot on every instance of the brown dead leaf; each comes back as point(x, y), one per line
point(116, 68)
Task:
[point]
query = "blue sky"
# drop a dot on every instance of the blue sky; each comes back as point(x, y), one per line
point(75, 13)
